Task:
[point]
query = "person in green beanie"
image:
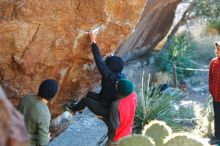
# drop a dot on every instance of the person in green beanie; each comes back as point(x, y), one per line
point(122, 112)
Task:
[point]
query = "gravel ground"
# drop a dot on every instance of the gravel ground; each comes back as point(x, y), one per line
point(85, 129)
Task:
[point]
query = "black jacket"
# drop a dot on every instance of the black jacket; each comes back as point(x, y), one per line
point(109, 78)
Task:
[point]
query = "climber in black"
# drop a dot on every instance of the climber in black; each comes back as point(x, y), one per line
point(110, 70)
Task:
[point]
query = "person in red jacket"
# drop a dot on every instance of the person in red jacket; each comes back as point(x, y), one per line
point(214, 89)
point(122, 112)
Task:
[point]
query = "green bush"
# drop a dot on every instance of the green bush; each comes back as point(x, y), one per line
point(203, 49)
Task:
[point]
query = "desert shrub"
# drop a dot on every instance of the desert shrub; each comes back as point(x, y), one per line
point(178, 53)
point(214, 25)
point(203, 49)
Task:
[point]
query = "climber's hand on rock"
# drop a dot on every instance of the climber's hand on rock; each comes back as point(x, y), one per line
point(92, 36)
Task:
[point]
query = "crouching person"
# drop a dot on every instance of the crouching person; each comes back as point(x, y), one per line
point(36, 113)
point(122, 112)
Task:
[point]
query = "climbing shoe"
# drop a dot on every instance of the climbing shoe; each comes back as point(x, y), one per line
point(70, 106)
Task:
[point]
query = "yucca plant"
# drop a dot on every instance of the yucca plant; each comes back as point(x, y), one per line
point(154, 104)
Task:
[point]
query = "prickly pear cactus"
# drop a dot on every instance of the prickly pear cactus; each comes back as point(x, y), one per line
point(183, 139)
point(136, 140)
point(157, 133)
point(157, 130)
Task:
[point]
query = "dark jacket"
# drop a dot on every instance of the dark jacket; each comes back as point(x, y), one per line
point(111, 73)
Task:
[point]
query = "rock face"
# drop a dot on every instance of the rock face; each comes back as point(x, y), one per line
point(43, 39)
point(155, 23)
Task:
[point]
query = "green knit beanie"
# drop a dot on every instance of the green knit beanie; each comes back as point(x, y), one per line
point(125, 87)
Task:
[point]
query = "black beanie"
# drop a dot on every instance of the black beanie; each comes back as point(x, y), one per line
point(48, 89)
point(115, 63)
point(125, 87)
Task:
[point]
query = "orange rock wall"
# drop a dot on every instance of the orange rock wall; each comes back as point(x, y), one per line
point(42, 39)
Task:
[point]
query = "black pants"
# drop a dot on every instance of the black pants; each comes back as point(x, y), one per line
point(216, 106)
point(92, 101)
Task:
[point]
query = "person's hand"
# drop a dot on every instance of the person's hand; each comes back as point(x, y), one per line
point(92, 36)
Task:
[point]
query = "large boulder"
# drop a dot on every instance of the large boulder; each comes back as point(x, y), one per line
point(154, 25)
point(43, 39)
